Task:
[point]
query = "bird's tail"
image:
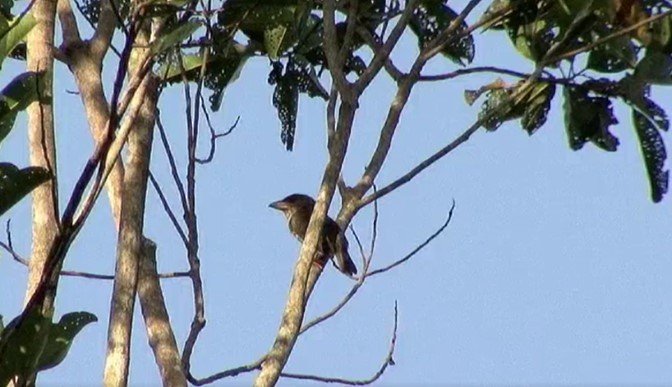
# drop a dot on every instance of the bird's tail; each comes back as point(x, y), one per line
point(343, 260)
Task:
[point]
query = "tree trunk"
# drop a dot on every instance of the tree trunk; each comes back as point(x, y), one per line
point(40, 43)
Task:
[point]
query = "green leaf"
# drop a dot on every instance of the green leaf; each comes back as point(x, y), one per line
point(13, 34)
point(286, 102)
point(16, 96)
point(274, 39)
point(273, 23)
point(90, 9)
point(635, 92)
point(16, 183)
point(588, 119)
point(171, 71)
point(254, 17)
point(532, 104)
point(22, 345)
point(655, 68)
point(532, 40)
point(654, 153)
point(305, 77)
point(61, 336)
point(661, 34)
point(537, 106)
point(498, 108)
point(6, 7)
point(614, 56)
point(430, 18)
point(221, 73)
point(175, 37)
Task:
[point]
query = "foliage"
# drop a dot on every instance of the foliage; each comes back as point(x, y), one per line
point(37, 344)
point(16, 183)
point(599, 52)
point(550, 32)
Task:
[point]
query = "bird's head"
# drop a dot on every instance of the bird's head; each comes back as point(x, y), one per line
point(292, 203)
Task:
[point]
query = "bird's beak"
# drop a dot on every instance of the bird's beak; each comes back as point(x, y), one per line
point(279, 205)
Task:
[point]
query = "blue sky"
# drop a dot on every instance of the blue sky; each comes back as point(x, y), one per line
point(555, 268)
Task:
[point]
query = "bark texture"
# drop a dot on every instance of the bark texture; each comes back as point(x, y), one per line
point(42, 144)
point(130, 241)
point(159, 331)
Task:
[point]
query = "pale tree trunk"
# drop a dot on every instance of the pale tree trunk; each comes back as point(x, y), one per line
point(306, 274)
point(85, 58)
point(42, 144)
point(160, 333)
point(130, 241)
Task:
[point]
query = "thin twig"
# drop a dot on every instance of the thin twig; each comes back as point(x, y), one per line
point(418, 248)
point(388, 361)
point(225, 374)
point(214, 136)
point(374, 224)
point(198, 319)
point(337, 308)
point(14, 254)
point(171, 161)
point(73, 273)
point(167, 209)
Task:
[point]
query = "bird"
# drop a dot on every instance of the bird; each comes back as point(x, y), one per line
point(298, 209)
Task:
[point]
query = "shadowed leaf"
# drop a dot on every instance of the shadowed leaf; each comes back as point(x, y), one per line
point(61, 336)
point(588, 119)
point(16, 183)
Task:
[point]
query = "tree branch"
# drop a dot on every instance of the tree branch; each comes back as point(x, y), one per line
point(304, 278)
point(130, 243)
point(159, 332)
point(418, 248)
point(388, 361)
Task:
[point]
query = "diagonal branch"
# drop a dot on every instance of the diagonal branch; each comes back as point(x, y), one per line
point(418, 248)
point(159, 332)
point(388, 361)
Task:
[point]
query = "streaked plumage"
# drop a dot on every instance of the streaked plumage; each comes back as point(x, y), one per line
point(298, 208)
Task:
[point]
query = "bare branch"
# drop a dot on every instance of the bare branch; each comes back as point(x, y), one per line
point(374, 224)
point(68, 22)
point(331, 49)
point(226, 374)
point(472, 70)
point(198, 320)
point(171, 162)
point(304, 278)
point(14, 254)
point(214, 136)
point(130, 245)
point(388, 361)
point(418, 248)
point(107, 22)
point(366, 263)
point(159, 332)
point(375, 46)
point(167, 209)
point(401, 98)
point(337, 308)
point(520, 91)
point(385, 139)
point(82, 274)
